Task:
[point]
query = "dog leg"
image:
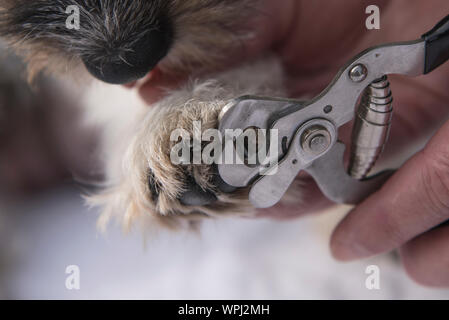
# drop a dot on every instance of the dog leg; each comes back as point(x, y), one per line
point(150, 185)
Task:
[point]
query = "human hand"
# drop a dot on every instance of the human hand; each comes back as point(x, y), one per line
point(405, 213)
point(314, 39)
point(408, 211)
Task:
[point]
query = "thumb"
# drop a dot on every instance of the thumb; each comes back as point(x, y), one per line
point(414, 200)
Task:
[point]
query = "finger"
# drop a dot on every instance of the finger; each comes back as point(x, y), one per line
point(426, 258)
point(414, 200)
point(157, 86)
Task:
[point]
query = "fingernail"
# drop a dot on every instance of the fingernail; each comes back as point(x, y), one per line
point(347, 249)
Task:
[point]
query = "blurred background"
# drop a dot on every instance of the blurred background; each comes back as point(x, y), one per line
point(48, 159)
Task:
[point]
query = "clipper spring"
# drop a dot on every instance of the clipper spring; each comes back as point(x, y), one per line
point(371, 127)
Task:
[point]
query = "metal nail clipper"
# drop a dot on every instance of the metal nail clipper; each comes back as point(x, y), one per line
point(307, 131)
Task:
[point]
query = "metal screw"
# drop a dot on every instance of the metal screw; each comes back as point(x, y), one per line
point(318, 144)
point(315, 140)
point(358, 73)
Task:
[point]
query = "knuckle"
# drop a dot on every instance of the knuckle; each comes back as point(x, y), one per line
point(416, 272)
point(435, 183)
point(419, 267)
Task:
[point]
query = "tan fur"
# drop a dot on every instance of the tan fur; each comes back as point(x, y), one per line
point(136, 138)
point(204, 35)
point(40, 57)
point(149, 147)
point(207, 33)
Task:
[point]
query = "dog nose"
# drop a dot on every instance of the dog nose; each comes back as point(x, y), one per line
point(126, 63)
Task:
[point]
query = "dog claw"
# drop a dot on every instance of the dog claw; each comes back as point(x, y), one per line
point(222, 185)
point(196, 196)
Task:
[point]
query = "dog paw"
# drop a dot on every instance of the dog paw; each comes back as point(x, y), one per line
point(153, 185)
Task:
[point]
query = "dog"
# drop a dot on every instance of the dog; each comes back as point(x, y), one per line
point(121, 41)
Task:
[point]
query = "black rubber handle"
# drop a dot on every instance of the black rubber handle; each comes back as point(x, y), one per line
point(437, 45)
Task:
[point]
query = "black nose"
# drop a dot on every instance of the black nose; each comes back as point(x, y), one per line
point(127, 62)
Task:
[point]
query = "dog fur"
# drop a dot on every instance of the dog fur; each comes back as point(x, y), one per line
point(141, 181)
point(148, 146)
point(204, 30)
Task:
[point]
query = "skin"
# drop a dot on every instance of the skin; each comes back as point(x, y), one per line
point(314, 39)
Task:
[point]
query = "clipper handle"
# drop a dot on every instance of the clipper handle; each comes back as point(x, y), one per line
point(437, 45)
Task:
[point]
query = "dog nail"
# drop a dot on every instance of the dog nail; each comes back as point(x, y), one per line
point(196, 196)
point(221, 185)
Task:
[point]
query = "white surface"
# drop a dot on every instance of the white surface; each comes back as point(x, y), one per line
point(241, 259)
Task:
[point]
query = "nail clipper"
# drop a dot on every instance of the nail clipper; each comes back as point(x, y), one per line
point(307, 131)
